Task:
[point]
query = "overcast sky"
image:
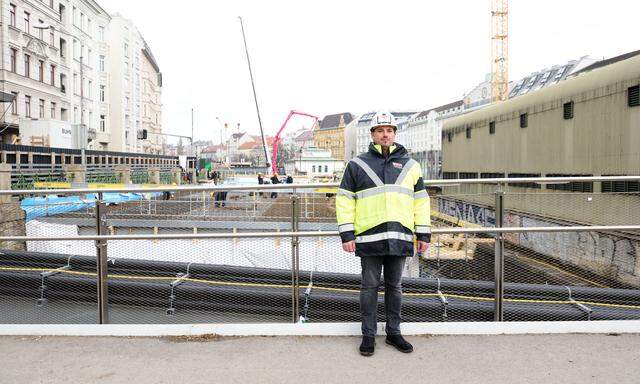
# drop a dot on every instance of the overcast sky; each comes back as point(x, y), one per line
point(325, 57)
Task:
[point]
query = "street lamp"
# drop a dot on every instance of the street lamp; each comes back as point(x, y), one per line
point(85, 134)
point(222, 126)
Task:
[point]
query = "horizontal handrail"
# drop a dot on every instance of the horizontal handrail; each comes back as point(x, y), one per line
point(435, 231)
point(205, 188)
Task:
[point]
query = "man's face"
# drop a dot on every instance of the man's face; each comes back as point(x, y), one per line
point(384, 136)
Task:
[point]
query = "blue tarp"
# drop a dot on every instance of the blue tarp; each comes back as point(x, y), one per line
point(51, 205)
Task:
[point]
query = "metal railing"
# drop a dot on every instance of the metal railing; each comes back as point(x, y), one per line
point(241, 290)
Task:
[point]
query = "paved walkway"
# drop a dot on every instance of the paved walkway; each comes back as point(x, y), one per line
point(564, 358)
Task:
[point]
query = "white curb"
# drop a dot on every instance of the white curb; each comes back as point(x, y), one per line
point(321, 329)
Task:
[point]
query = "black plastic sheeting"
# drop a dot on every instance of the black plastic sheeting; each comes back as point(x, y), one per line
point(323, 305)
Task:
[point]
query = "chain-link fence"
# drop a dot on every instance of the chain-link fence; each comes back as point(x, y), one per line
point(241, 253)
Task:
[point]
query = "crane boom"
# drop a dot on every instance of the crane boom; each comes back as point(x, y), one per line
point(276, 139)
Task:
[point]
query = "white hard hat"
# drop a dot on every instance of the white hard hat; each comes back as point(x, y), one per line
point(383, 119)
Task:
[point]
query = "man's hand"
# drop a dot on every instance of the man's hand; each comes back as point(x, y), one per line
point(423, 246)
point(349, 246)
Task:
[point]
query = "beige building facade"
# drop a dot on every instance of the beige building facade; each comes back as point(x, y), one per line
point(329, 134)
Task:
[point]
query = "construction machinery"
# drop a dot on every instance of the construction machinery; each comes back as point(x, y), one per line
point(276, 139)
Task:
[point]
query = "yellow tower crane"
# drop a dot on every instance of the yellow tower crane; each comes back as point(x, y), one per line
point(499, 50)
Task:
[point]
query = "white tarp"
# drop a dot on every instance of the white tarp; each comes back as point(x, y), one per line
point(316, 254)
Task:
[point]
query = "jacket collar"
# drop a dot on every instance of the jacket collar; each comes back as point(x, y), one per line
point(396, 150)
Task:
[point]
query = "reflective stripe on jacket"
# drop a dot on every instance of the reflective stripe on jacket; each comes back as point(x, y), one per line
point(382, 203)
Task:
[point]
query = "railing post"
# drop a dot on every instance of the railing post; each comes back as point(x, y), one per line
point(499, 256)
point(295, 258)
point(101, 260)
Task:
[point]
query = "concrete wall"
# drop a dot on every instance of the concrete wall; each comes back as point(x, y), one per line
point(614, 256)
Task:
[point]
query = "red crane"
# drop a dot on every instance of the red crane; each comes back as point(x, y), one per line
point(276, 139)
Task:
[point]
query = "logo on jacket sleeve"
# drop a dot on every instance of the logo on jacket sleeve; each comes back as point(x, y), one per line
point(397, 165)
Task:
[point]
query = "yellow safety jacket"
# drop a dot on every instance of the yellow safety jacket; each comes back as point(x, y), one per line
point(382, 202)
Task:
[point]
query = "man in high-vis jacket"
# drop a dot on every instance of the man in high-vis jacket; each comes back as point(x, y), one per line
point(381, 206)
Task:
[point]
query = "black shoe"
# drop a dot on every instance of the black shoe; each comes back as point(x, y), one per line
point(400, 343)
point(367, 346)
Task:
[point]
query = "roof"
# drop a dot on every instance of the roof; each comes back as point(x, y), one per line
point(455, 104)
point(306, 135)
point(621, 70)
point(333, 121)
point(249, 145)
point(256, 144)
point(609, 61)
point(549, 76)
point(366, 118)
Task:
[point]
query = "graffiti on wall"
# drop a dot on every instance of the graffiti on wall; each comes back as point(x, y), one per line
point(579, 247)
point(467, 212)
point(588, 249)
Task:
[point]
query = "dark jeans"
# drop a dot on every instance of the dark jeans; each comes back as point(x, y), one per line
point(371, 268)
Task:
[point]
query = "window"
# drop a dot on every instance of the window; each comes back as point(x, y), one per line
point(41, 30)
point(449, 175)
point(61, 9)
point(575, 186)
point(75, 49)
point(63, 48)
point(101, 63)
point(568, 110)
point(27, 106)
point(75, 83)
point(14, 55)
point(101, 33)
point(634, 96)
point(53, 110)
point(103, 123)
point(63, 83)
point(88, 25)
point(41, 109)
point(326, 168)
point(50, 3)
point(126, 50)
point(544, 79)
point(27, 65)
point(75, 115)
point(559, 74)
point(89, 56)
point(52, 75)
point(491, 175)
point(82, 21)
point(74, 16)
point(492, 127)
point(89, 90)
point(27, 24)
point(524, 120)
point(620, 186)
point(12, 12)
point(14, 104)
point(41, 70)
point(52, 38)
point(468, 175)
point(468, 132)
point(313, 168)
point(102, 91)
point(524, 185)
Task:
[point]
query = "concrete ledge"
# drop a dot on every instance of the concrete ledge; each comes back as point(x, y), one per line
point(320, 329)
